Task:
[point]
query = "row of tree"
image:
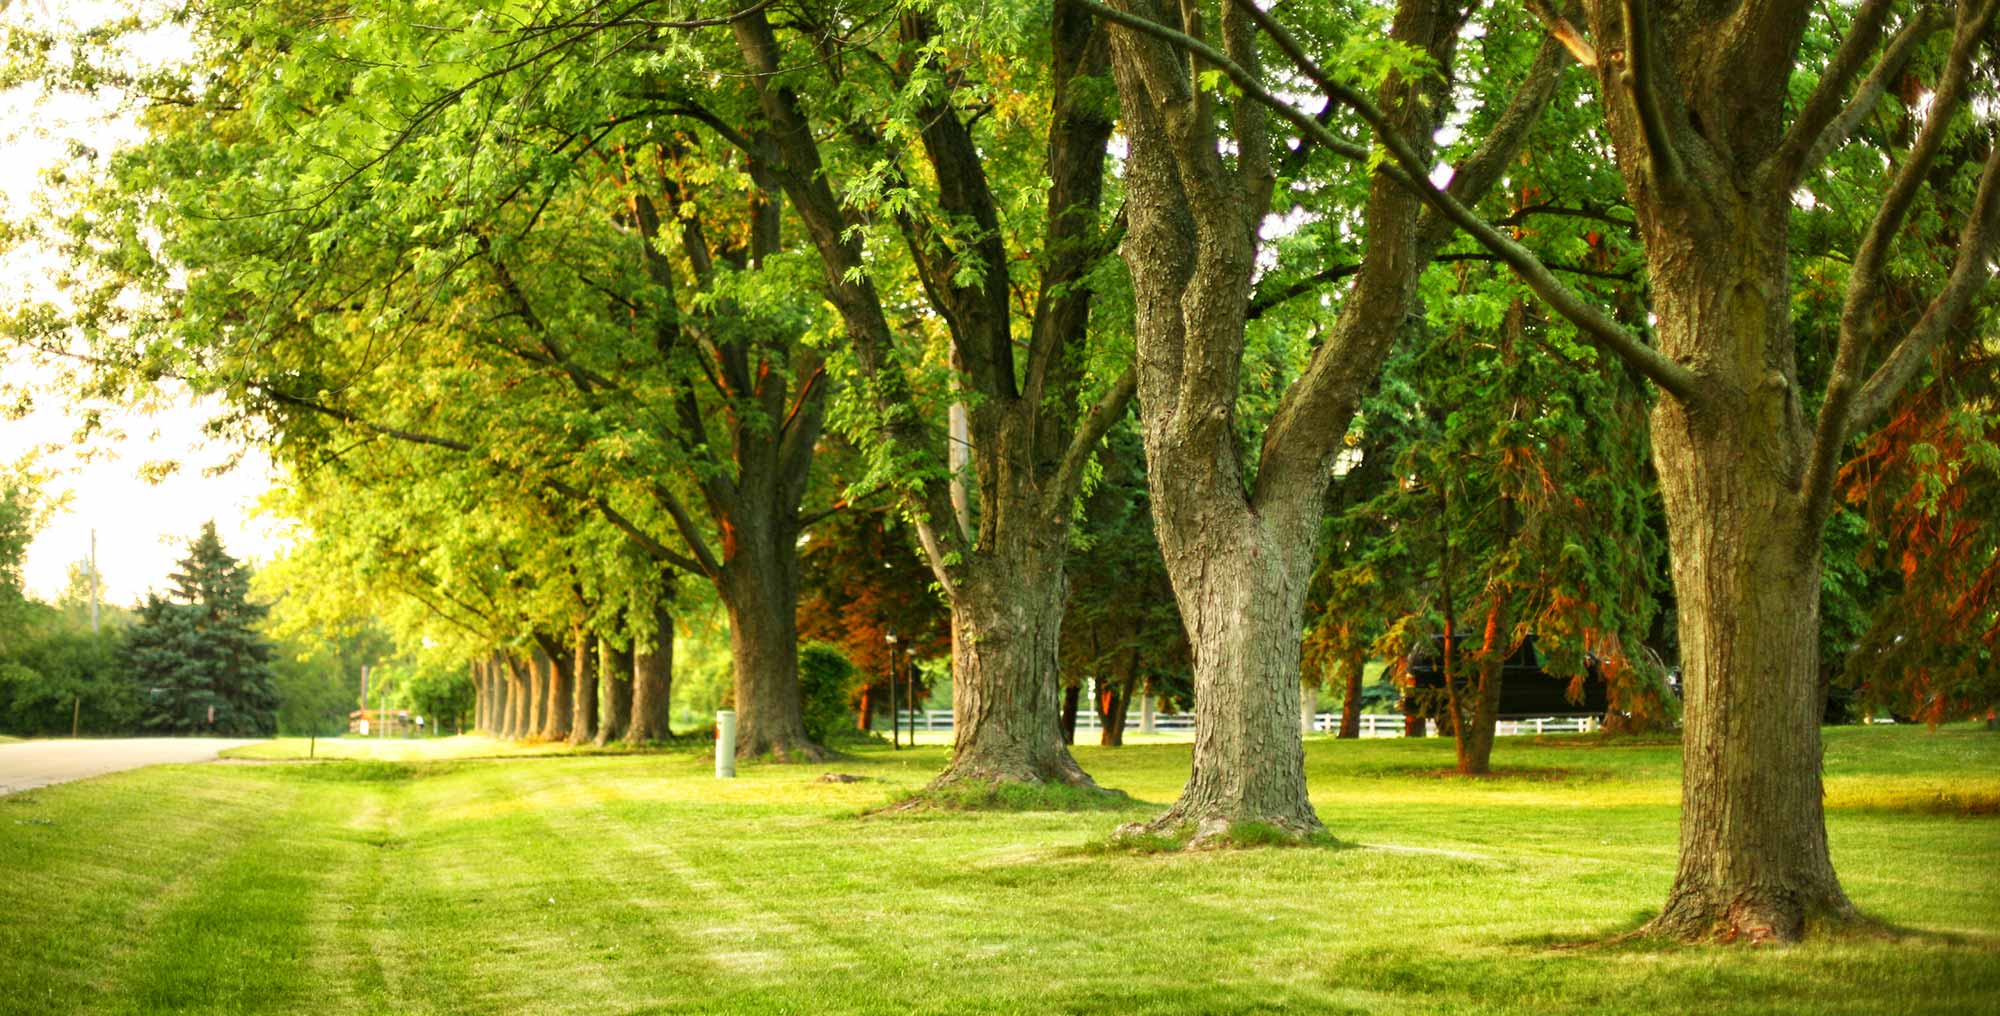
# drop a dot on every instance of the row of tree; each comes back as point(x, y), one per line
point(547, 312)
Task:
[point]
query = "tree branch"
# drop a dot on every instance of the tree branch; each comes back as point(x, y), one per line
point(1564, 33)
point(1901, 49)
point(705, 560)
point(1068, 478)
point(1640, 79)
point(1409, 171)
point(1859, 329)
point(1817, 115)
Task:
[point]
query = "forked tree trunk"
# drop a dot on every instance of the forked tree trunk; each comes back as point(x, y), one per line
point(556, 702)
point(583, 697)
point(1753, 851)
point(1007, 623)
point(1350, 710)
point(614, 681)
point(653, 685)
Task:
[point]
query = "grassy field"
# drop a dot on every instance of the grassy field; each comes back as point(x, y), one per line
point(639, 884)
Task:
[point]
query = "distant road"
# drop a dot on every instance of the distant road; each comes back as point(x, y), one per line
point(32, 764)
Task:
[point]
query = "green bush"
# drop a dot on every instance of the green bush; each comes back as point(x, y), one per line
point(826, 684)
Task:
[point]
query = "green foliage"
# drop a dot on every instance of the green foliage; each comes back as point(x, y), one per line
point(826, 686)
point(199, 662)
point(54, 674)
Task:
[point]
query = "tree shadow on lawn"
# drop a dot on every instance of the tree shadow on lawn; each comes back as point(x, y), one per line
point(1629, 937)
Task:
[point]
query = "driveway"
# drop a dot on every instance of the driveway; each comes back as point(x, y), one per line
point(31, 764)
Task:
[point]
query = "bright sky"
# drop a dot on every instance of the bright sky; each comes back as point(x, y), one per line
point(142, 528)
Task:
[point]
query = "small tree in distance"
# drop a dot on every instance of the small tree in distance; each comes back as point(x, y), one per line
point(200, 664)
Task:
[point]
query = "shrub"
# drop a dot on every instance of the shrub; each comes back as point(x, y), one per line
point(826, 684)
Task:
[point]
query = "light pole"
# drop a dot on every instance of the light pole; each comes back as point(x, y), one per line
point(895, 718)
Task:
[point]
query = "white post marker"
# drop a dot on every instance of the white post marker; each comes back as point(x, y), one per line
point(725, 744)
point(1146, 711)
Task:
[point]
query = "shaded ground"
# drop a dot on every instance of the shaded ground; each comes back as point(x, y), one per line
point(25, 765)
point(639, 884)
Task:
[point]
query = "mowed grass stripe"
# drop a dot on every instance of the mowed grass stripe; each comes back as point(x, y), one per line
point(93, 869)
point(243, 939)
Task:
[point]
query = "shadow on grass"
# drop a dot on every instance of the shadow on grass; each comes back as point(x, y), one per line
point(1629, 937)
point(1950, 803)
point(1008, 797)
point(1239, 836)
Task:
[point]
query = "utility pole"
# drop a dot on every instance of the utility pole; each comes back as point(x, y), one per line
point(895, 718)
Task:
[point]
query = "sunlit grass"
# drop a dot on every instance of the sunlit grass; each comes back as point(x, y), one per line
point(461, 882)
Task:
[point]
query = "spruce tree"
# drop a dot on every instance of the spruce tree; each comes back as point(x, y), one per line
point(197, 651)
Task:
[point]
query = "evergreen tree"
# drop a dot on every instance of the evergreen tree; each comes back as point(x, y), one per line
point(200, 664)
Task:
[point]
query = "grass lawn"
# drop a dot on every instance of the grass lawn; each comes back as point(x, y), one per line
point(639, 884)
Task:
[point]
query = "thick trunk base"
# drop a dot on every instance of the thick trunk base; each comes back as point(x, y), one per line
point(1751, 915)
point(1241, 591)
point(1754, 864)
point(1006, 698)
point(762, 599)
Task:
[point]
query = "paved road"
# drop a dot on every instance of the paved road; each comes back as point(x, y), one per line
point(31, 764)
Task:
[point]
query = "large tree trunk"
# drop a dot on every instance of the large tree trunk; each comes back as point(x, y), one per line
point(760, 592)
point(1753, 861)
point(1350, 709)
point(1241, 584)
point(1007, 623)
point(583, 695)
point(556, 700)
point(615, 683)
point(1477, 715)
point(653, 685)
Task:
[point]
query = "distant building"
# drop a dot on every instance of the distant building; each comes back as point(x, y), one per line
point(382, 722)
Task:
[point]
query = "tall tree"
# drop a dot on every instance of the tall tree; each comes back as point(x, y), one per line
point(913, 107)
point(1239, 537)
point(201, 664)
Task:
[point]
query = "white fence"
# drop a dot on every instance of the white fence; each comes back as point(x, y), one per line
point(1372, 724)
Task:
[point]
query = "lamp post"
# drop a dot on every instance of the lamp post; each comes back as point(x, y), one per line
point(895, 718)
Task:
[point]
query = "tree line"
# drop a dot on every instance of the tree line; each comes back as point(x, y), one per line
point(1408, 316)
